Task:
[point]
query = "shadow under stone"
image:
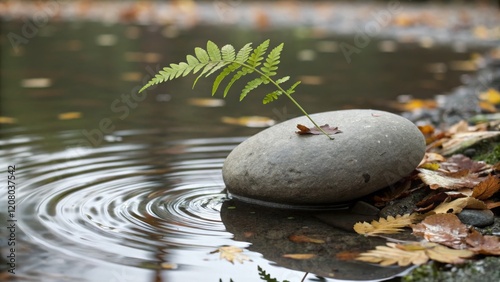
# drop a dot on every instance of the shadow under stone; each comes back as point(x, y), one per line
point(276, 232)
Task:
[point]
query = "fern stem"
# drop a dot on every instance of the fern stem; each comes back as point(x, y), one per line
point(291, 99)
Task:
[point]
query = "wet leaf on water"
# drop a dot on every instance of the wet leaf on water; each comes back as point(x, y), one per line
point(347, 255)
point(313, 130)
point(452, 180)
point(231, 254)
point(168, 265)
point(445, 229)
point(486, 188)
point(385, 226)
point(249, 121)
point(485, 245)
point(7, 120)
point(304, 239)
point(299, 256)
point(206, 102)
point(36, 82)
point(69, 115)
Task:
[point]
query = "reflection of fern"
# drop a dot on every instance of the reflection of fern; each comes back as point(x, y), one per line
point(246, 61)
point(267, 277)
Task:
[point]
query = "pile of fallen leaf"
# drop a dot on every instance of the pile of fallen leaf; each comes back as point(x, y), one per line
point(452, 184)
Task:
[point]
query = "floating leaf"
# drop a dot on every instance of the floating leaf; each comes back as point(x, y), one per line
point(385, 226)
point(491, 96)
point(36, 82)
point(445, 229)
point(304, 239)
point(69, 115)
point(7, 120)
point(299, 256)
point(231, 254)
point(206, 102)
point(486, 188)
point(315, 131)
point(250, 121)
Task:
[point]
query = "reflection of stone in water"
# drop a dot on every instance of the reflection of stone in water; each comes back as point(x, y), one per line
point(269, 231)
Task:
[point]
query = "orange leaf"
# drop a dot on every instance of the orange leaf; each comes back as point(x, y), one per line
point(486, 188)
point(486, 245)
point(299, 256)
point(304, 239)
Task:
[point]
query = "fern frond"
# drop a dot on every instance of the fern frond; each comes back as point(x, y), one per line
point(291, 90)
point(242, 72)
point(283, 79)
point(272, 61)
point(271, 97)
point(228, 53)
point(258, 54)
point(251, 85)
point(201, 54)
point(213, 51)
point(225, 72)
point(243, 53)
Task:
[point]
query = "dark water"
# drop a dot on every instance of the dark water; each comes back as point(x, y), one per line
point(116, 187)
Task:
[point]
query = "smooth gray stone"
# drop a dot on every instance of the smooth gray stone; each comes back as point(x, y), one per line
point(478, 218)
point(374, 150)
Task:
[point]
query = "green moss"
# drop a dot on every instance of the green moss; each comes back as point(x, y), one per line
point(488, 152)
point(484, 270)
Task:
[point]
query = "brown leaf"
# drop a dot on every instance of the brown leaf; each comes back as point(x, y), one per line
point(464, 140)
point(431, 201)
point(314, 130)
point(391, 254)
point(486, 188)
point(304, 239)
point(491, 205)
point(231, 254)
point(347, 255)
point(445, 229)
point(460, 162)
point(452, 181)
point(485, 245)
point(299, 256)
point(385, 226)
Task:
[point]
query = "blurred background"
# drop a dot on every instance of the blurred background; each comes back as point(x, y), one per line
point(116, 184)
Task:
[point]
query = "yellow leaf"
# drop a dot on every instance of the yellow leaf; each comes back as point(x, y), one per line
point(69, 115)
point(430, 166)
point(491, 96)
point(206, 102)
point(454, 206)
point(231, 254)
point(393, 254)
point(7, 120)
point(249, 121)
point(299, 256)
point(446, 255)
point(385, 226)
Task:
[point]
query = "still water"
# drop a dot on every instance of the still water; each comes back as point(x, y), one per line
point(115, 186)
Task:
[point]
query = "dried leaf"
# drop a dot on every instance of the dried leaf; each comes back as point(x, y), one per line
point(460, 162)
point(299, 256)
point(231, 254)
point(445, 229)
point(385, 226)
point(431, 201)
point(7, 120)
point(304, 239)
point(491, 96)
point(454, 206)
point(206, 102)
point(464, 140)
point(485, 245)
point(492, 205)
point(416, 253)
point(486, 188)
point(391, 254)
point(452, 181)
point(347, 255)
point(313, 130)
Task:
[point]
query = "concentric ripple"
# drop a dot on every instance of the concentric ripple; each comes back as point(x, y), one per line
point(125, 202)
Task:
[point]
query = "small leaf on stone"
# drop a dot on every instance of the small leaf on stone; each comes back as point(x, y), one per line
point(385, 226)
point(315, 131)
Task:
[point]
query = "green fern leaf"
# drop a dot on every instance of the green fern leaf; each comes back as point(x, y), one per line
point(251, 85)
point(291, 90)
point(228, 53)
point(258, 54)
point(242, 72)
point(272, 61)
point(243, 53)
point(225, 72)
point(271, 97)
point(283, 79)
point(213, 51)
point(202, 55)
